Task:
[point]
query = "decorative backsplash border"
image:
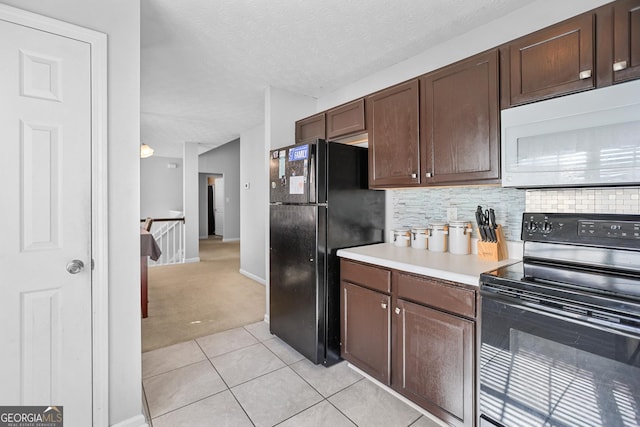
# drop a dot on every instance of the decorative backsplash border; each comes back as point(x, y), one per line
point(419, 207)
point(620, 200)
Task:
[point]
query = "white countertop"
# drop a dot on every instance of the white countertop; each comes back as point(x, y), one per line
point(442, 265)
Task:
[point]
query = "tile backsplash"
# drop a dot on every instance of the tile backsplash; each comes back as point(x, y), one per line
point(419, 207)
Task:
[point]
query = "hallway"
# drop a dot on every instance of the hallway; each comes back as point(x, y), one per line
point(187, 301)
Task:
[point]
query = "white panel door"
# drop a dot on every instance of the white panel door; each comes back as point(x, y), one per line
point(45, 215)
point(218, 206)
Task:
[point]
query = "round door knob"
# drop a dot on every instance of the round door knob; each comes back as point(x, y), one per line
point(75, 266)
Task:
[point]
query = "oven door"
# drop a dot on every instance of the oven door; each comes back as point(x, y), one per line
point(546, 366)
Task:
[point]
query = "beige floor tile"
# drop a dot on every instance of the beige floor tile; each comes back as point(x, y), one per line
point(168, 358)
point(260, 330)
point(366, 404)
point(224, 342)
point(275, 397)
point(174, 389)
point(246, 364)
point(327, 381)
point(220, 410)
point(281, 349)
point(427, 422)
point(324, 414)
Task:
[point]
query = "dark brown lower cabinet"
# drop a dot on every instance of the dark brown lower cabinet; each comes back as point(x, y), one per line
point(366, 330)
point(434, 361)
point(415, 334)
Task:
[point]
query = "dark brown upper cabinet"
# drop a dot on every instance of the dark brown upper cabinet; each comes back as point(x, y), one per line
point(626, 40)
point(311, 128)
point(394, 143)
point(554, 61)
point(460, 122)
point(347, 119)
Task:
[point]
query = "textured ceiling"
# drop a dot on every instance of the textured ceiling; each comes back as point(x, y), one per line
point(206, 63)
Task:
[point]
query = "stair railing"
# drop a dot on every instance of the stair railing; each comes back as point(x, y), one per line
point(169, 234)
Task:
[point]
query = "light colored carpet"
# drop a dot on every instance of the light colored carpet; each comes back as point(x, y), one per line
point(188, 301)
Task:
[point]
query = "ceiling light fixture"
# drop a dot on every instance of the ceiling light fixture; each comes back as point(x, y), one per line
point(145, 151)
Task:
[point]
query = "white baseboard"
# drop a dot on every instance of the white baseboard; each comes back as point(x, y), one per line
point(188, 260)
point(231, 239)
point(423, 411)
point(137, 421)
point(253, 277)
point(266, 318)
point(203, 237)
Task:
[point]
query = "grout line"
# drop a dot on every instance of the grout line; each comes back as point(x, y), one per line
point(188, 404)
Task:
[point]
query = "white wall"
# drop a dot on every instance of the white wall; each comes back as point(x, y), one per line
point(224, 160)
point(254, 204)
point(191, 201)
point(160, 186)
point(120, 20)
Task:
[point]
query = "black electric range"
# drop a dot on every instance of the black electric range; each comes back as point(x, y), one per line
point(560, 331)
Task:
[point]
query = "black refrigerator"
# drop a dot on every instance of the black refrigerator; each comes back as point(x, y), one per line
point(319, 203)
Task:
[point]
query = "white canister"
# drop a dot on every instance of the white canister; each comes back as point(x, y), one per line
point(401, 237)
point(460, 237)
point(419, 237)
point(438, 236)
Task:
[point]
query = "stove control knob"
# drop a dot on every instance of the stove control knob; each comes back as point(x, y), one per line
point(531, 227)
point(546, 227)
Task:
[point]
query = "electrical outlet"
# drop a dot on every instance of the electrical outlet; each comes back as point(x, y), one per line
point(452, 214)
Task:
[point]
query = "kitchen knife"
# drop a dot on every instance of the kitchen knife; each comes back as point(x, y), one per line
point(492, 225)
point(480, 222)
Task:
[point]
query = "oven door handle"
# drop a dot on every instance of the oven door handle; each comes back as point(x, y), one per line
point(558, 313)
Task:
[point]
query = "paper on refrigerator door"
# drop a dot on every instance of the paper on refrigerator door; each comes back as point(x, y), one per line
point(296, 185)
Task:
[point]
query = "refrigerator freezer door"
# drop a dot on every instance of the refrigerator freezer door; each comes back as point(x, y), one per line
point(296, 279)
point(292, 173)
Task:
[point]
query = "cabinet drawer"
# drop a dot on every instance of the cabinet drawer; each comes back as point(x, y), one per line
point(437, 294)
point(366, 275)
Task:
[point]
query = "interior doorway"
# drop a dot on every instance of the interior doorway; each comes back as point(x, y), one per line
point(215, 205)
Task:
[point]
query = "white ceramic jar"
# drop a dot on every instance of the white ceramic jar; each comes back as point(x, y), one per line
point(419, 237)
point(438, 236)
point(401, 237)
point(460, 237)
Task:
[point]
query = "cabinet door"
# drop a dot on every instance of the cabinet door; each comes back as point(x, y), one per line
point(434, 361)
point(555, 61)
point(366, 330)
point(460, 127)
point(310, 128)
point(626, 46)
point(346, 119)
point(394, 146)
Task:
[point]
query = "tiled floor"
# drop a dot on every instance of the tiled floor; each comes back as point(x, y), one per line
point(248, 377)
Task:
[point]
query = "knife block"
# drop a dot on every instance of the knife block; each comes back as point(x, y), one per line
point(494, 251)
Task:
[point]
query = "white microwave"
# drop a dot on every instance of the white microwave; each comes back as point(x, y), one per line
point(590, 138)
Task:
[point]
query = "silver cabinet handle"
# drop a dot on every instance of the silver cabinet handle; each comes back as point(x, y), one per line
point(620, 65)
point(428, 174)
point(75, 266)
point(414, 175)
point(397, 310)
point(585, 74)
point(383, 305)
